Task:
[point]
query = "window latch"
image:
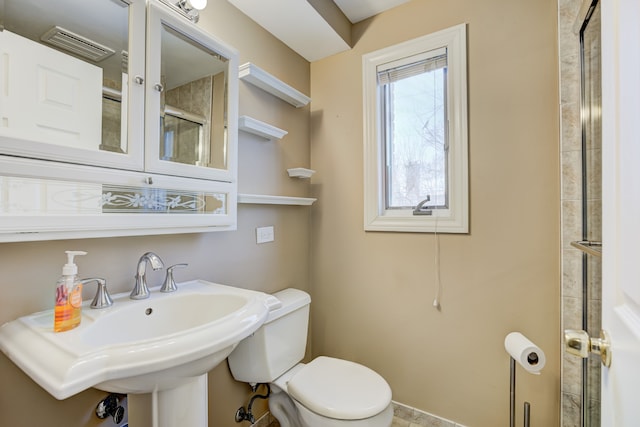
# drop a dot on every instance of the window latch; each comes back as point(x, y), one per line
point(421, 209)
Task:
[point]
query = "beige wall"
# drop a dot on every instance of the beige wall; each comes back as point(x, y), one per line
point(29, 270)
point(372, 292)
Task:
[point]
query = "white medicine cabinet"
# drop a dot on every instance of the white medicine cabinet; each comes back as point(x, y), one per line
point(117, 117)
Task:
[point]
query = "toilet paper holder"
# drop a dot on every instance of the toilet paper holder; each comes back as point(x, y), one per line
point(512, 401)
point(532, 359)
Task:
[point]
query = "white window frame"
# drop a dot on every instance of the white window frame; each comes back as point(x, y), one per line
point(455, 218)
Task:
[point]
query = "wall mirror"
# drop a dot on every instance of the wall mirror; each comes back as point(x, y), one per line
point(80, 88)
point(193, 109)
point(189, 75)
point(67, 71)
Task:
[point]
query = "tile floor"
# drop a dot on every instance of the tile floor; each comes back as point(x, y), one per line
point(397, 422)
point(404, 416)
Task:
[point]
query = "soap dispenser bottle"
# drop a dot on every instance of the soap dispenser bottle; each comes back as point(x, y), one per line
point(67, 311)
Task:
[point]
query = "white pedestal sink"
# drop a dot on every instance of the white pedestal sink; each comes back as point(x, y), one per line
point(163, 346)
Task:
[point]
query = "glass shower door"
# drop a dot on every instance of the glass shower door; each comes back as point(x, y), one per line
point(591, 91)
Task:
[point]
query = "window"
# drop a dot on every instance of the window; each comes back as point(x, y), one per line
point(415, 103)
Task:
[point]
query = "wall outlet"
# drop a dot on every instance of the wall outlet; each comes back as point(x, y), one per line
point(265, 234)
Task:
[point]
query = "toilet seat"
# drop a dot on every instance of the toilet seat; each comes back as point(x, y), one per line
point(340, 389)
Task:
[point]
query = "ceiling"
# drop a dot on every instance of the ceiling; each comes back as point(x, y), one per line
point(358, 10)
point(314, 29)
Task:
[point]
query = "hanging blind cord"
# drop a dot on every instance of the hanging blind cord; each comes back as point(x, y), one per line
point(436, 239)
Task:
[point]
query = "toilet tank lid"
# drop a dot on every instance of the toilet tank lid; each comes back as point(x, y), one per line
point(291, 299)
point(340, 389)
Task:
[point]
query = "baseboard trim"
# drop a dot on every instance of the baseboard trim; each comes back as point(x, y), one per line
point(415, 417)
point(404, 416)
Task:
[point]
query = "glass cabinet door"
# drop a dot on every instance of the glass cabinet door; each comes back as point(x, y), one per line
point(126, 85)
point(191, 93)
point(72, 81)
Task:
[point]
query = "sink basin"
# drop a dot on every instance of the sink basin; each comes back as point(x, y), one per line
point(159, 318)
point(137, 346)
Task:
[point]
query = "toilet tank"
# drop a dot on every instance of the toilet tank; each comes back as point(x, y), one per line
point(278, 345)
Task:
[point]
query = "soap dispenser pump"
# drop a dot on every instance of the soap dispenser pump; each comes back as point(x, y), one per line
point(68, 306)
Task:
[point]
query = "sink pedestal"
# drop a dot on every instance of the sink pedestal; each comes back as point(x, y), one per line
point(185, 405)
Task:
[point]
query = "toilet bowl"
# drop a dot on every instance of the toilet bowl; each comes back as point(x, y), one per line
point(326, 392)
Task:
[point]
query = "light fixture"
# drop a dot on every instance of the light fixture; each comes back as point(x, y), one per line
point(190, 9)
point(195, 4)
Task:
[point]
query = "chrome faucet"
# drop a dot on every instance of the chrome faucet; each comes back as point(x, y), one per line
point(140, 289)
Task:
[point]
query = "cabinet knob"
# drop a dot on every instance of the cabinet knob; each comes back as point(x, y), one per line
point(148, 180)
point(158, 87)
point(138, 79)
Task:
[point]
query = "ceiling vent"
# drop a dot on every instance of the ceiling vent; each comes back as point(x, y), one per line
point(79, 45)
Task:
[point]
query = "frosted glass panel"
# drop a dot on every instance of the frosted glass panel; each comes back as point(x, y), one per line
point(26, 196)
point(157, 200)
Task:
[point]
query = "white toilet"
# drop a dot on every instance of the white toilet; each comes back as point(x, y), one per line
point(326, 392)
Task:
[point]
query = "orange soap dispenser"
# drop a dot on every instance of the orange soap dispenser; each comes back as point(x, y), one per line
point(67, 311)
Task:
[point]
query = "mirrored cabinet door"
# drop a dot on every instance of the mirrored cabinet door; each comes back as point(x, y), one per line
point(130, 86)
point(72, 81)
point(191, 92)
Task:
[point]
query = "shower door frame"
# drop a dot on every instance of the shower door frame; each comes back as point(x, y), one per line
point(591, 259)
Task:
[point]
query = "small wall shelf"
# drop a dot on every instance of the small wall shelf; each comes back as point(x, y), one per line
point(256, 127)
point(300, 173)
point(263, 199)
point(253, 74)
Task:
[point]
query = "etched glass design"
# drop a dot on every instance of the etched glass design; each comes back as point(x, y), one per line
point(27, 196)
point(158, 200)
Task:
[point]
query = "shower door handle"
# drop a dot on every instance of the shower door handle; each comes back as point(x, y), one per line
point(579, 343)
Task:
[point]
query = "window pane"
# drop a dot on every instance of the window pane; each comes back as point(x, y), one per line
point(415, 134)
point(414, 111)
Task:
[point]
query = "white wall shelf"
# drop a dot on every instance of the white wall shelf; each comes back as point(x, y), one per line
point(256, 127)
point(300, 172)
point(253, 74)
point(263, 199)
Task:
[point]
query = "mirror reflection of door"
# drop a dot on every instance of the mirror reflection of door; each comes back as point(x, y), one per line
point(193, 99)
point(66, 72)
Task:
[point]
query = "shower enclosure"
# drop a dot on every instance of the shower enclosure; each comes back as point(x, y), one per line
point(591, 239)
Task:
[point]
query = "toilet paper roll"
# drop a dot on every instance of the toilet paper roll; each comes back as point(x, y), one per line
point(526, 353)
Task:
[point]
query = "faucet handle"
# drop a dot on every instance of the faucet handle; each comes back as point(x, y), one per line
point(102, 298)
point(169, 284)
